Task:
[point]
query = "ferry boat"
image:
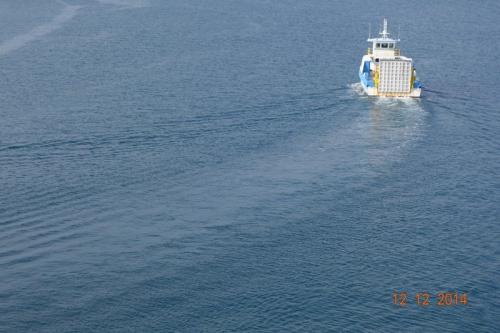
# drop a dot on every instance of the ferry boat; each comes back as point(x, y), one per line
point(385, 72)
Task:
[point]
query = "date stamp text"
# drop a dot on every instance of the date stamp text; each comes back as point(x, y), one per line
point(426, 299)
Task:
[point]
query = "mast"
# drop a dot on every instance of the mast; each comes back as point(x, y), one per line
point(384, 33)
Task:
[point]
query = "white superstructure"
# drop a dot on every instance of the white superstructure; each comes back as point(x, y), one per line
point(385, 72)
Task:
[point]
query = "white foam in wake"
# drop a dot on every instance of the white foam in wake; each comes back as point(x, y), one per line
point(357, 88)
point(19, 41)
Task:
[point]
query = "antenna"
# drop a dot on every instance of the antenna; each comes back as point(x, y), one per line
point(370, 30)
point(399, 29)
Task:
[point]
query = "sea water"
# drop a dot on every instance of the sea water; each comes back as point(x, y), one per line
point(212, 166)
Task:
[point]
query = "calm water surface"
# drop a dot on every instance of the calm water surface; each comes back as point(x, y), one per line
point(213, 166)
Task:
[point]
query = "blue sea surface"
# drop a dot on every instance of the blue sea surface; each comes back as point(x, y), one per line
point(213, 166)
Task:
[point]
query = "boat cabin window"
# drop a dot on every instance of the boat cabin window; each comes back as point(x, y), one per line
point(384, 45)
point(376, 59)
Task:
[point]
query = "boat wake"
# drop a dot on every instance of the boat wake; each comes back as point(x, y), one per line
point(394, 123)
point(356, 89)
point(127, 3)
point(17, 42)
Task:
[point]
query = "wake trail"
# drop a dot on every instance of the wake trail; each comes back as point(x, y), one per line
point(127, 3)
point(17, 42)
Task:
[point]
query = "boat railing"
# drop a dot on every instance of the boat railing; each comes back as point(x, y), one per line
point(397, 52)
